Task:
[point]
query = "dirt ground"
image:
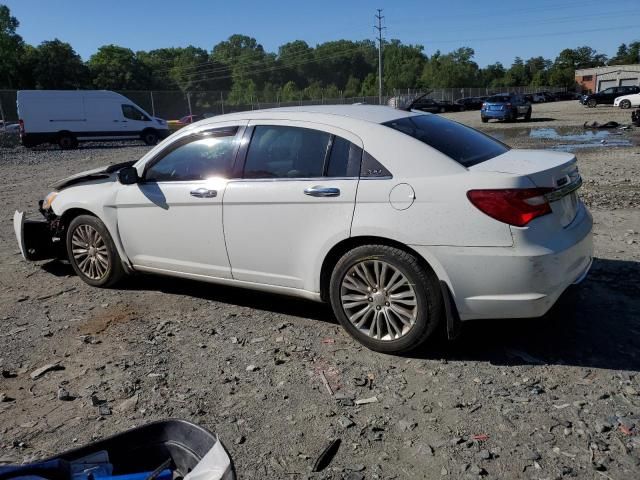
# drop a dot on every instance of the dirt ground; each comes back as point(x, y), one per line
point(535, 399)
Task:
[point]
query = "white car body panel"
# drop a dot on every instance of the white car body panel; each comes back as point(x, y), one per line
point(267, 234)
point(634, 98)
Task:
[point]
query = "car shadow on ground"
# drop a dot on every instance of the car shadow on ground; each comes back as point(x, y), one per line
point(595, 324)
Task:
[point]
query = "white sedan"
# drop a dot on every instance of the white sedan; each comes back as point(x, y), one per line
point(627, 101)
point(402, 221)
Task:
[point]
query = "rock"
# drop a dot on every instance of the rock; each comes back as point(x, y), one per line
point(405, 425)
point(252, 368)
point(364, 401)
point(345, 422)
point(354, 476)
point(95, 401)
point(358, 467)
point(344, 399)
point(104, 410)
point(129, 404)
point(4, 398)
point(8, 374)
point(484, 454)
point(240, 440)
point(38, 372)
point(64, 395)
point(477, 470)
point(444, 471)
point(603, 426)
point(532, 455)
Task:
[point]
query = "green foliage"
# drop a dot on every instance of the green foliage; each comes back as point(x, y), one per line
point(117, 68)
point(11, 50)
point(298, 71)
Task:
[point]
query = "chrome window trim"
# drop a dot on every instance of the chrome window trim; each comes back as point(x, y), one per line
point(300, 179)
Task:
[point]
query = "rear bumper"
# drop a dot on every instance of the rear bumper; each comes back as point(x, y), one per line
point(522, 281)
point(494, 113)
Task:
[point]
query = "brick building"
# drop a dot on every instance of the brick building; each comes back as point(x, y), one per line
point(598, 78)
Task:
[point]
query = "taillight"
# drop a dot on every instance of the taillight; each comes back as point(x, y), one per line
point(515, 206)
point(484, 105)
point(21, 126)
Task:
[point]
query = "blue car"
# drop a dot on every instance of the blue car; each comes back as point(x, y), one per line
point(505, 106)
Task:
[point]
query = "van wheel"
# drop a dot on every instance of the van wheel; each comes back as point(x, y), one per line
point(92, 252)
point(67, 141)
point(385, 299)
point(150, 137)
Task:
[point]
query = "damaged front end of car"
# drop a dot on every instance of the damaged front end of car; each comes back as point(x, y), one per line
point(39, 239)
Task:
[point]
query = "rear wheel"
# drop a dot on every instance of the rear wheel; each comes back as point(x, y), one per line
point(92, 252)
point(441, 110)
point(484, 119)
point(385, 299)
point(625, 104)
point(150, 137)
point(592, 103)
point(67, 141)
point(527, 116)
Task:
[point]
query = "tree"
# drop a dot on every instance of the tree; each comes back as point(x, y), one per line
point(403, 65)
point(627, 55)
point(244, 58)
point(455, 69)
point(296, 60)
point(194, 70)
point(11, 49)
point(117, 68)
point(57, 66)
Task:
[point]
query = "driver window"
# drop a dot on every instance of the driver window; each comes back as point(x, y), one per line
point(132, 113)
point(199, 159)
point(286, 152)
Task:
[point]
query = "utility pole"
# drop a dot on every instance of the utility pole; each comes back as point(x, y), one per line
point(379, 27)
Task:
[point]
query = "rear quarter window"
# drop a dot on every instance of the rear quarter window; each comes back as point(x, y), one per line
point(462, 144)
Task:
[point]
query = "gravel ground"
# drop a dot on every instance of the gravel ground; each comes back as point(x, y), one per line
point(550, 398)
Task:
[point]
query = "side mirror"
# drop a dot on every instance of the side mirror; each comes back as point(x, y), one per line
point(128, 176)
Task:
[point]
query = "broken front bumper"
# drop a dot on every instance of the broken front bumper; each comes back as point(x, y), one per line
point(34, 238)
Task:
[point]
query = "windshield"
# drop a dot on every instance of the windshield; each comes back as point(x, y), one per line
point(499, 99)
point(465, 145)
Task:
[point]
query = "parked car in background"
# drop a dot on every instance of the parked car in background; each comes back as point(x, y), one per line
point(430, 105)
point(561, 96)
point(536, 98)
point(607, 96)
point(470, 103)
point(65, 117)
point(401, 221)
point(505, 106)
point(183, 122)
point(627, 101)
point(635, 117)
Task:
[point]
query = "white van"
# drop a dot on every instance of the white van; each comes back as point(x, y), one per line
point(68, 116)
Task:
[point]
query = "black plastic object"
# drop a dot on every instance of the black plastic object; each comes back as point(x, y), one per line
point(143, 448)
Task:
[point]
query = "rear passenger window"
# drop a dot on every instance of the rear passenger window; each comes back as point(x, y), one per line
point(344, 160)
point(286, 152)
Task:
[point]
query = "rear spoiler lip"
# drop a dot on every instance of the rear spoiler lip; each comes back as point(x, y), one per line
point(558, 193)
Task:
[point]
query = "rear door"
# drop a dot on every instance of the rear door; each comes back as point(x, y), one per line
point(294, 199)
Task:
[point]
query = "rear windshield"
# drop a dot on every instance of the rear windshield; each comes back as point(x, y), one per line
point(498, 99)
point(465, 145)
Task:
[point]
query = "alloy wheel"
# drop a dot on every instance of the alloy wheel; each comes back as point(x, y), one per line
point(90, 252)
point(379, 300)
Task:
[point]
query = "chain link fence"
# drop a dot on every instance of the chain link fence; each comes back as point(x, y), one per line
point(176, 104)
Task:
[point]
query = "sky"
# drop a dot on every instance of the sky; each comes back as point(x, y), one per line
point(498, 30)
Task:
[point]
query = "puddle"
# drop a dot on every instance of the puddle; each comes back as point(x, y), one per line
point(571, 139)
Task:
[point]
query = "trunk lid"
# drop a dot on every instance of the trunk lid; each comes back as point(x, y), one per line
point(555, 170)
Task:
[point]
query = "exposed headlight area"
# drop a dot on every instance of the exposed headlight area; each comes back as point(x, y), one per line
point(48, 200)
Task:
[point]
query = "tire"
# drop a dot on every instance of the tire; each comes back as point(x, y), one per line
point(625, 104)
point(102, 266)
point(395, 332)
point(592, 103)
point(527, 116)
point(484, 119)
point(441, 110)
point(67, 141)
point(150, 137)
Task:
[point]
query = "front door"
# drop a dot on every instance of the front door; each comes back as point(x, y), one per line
point(172, 219)
point(294, 200)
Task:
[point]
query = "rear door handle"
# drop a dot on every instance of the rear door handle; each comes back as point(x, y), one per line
point(319, 191)
point(204, 193)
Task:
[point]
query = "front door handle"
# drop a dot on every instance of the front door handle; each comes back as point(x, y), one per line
point(319, 191)
point(204, 193)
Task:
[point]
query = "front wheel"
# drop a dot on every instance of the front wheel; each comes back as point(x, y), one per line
point(385, 299)
point(592, 103)
point(150, 137)
point(92, 252)
point(625, 104)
